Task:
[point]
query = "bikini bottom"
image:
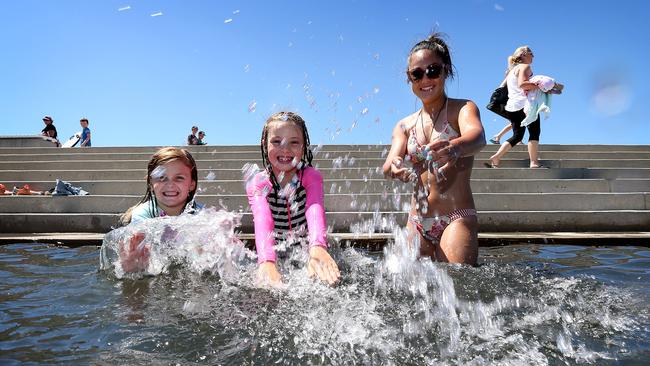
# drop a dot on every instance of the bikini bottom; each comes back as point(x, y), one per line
point(431, 228)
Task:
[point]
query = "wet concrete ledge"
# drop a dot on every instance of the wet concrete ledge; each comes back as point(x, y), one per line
point(377, 240)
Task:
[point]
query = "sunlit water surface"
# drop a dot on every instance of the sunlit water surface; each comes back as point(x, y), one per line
point(525, 305)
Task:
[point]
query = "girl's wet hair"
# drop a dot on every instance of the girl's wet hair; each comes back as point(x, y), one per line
point(436, 43)
point(159, 158)
point(516, 57)
point(290, 117)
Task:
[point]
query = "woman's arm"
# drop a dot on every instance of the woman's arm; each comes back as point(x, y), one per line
point(392, 167)
point(470, 141)
point(523, 78)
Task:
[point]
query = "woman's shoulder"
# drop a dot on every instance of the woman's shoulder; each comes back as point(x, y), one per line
point(523, 68)
point(456, 104)
point(408, 122)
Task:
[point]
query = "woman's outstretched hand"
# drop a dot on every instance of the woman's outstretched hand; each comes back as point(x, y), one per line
point(134, 255)
point(268, 274)
point(397, 170)
point(444, 154)
point(322, 265)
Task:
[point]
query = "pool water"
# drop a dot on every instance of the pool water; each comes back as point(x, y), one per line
point(525, 304)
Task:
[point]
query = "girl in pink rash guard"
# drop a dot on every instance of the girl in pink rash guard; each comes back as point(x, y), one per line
point(286, 199)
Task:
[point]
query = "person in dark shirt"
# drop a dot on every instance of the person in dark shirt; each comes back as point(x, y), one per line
point(192, 139)
point(49, 130)
point(201, 136)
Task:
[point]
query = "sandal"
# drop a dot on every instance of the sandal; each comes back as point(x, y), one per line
point(537, 166)
point(495, 140)
point(490, 165)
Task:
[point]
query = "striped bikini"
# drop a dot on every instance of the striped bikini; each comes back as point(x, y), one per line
point(288, 211)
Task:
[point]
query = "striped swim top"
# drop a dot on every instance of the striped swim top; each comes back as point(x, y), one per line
point(288, 211)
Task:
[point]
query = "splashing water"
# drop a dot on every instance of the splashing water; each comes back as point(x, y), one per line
point(391, 309)
point(249, 170)
point(205, 242)
point(158, 172)
point(211, 176)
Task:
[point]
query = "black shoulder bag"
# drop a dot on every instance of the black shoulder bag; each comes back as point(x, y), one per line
point(498, 101)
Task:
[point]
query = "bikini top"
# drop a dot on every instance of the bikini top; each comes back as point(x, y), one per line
point(417, 152)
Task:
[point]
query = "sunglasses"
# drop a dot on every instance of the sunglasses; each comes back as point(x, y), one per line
point(432, 71)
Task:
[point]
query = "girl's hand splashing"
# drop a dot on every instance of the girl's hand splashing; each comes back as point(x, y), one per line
point(268, 273)
point(134, 255)
point(322, 265)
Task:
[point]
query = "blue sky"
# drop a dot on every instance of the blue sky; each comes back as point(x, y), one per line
point(226, 65)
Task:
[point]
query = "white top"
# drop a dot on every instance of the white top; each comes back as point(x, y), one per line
point(516, 95)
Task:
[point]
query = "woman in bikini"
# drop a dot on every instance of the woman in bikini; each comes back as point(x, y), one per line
point(434, 148)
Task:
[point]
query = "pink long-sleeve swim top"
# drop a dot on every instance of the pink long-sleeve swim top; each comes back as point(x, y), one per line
point(275, 214)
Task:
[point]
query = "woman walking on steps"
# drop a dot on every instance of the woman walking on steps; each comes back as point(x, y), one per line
point(517, 79)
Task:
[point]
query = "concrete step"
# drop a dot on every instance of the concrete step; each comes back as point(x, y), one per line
point(363, 222)
point(337, 163)
point(343, 173)
point(136, 187)
point(145, 156)
point(254, 156)
point(324, 148)
point(367, 202)
point(27, 141)
point(194, 149)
